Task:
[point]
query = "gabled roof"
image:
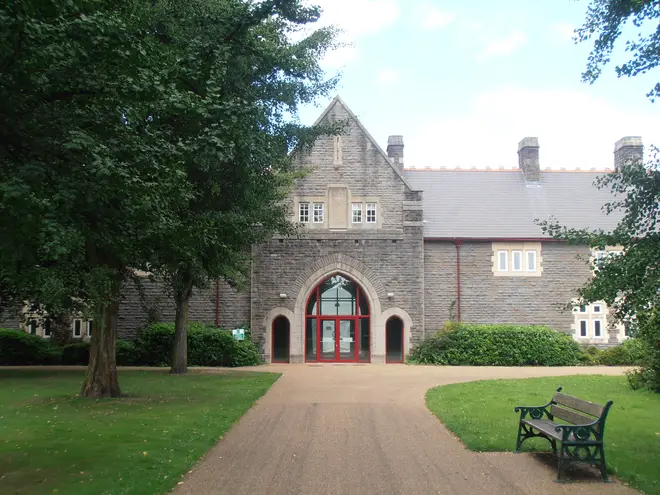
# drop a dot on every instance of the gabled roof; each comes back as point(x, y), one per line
point(501, 204)
point(338, 100)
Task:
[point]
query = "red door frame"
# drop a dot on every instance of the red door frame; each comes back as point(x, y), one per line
point(337, 318)
point(403, 329)
point(272, 339)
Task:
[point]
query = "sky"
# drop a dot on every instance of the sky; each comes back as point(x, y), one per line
point(464, 82)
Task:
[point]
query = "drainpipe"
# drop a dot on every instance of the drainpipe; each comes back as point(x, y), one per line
point(217, 303)
point(458, 278)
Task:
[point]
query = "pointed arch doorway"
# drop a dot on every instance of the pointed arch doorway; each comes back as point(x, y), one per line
point(337, 322)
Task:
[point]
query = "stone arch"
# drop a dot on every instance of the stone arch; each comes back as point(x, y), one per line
point(268, 325)
point(407, 325)
point(341, 265)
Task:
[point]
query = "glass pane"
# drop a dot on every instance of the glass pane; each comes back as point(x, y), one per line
point(310, 340)
point(364, 305)
point(517, 261)
point(337, 296)
point(502, 261)
point(347, 340)
point(597, 328)
point(327, 340)
point(365, 349)
point(311, 304)
point(583, 328)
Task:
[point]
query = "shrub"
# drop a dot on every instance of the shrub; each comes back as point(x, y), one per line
point(76, 353)
point(590, 355)
point(20, 348)
point(207, 346)
point(498, 345)
point(127, 353)
point(630, 353)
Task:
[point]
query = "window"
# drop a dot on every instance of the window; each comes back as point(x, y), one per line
point(583, 309)
point(318, 213)
point(583, 328)
point(32, 326)
point(47, 331)
point(90, 326)
point(516, 261)
point(356, 208)
point(530, 256)
point(371, 212)
point(303, 212)
point(502, 257)
point(597, 308)
point(598, 328)
point(77, 328)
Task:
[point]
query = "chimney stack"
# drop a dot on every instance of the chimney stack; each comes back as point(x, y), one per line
point(528, 158)
point(395, 150)
point(629, 149)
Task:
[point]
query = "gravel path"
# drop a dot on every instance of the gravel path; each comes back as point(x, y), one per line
point(365, 429)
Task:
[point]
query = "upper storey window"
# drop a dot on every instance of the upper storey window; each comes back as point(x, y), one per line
point(356, 212)
point(319, 213)
point(303, 212)
point(371, 212)
point(517, 259)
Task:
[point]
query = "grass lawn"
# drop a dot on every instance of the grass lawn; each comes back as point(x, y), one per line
point(54, 442)
point(481, 414)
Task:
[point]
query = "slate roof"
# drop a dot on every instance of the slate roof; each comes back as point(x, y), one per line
point(501, 204)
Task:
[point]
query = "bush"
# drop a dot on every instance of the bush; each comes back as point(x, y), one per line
point(207, 346)
point(498, 345)
point(127, 353)
point(630, 353)
point(20, 348)
point(76, 354)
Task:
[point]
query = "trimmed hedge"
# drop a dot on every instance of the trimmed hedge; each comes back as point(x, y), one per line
point(207, 346)
point(20, 348)
point(498, 345)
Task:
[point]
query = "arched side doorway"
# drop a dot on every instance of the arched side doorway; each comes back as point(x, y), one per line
point(337, 326)
point(394, 340)
point(281, 340)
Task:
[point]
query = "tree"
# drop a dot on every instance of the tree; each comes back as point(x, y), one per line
point(85, 178)
point(246, 78)
point(605, 21)
point(629, 282)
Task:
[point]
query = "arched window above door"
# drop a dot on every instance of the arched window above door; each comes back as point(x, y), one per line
point(338, 296)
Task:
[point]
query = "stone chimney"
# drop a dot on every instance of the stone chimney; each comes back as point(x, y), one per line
point(528, 158)
point(395, 150)
point(629, 149)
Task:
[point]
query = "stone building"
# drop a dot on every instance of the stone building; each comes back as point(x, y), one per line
point(389, 254)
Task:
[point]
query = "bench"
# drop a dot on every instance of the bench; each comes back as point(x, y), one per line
point(580, 432)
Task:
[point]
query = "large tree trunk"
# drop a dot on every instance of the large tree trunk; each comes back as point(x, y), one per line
point(101, 378)
point(182, 297)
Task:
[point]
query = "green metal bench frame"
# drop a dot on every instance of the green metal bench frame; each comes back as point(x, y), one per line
point(581, 438)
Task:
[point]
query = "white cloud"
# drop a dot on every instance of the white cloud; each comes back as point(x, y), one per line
point(356, 19)
point(433, 18)
point(503, 46)
point(563, 32)
point(388, 76)
point(575, 129)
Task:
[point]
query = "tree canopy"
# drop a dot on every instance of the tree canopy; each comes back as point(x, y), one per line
point(605, 22)
point(143, 134)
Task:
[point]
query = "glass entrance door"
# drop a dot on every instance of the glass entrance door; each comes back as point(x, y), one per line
point(346, 345)
point(327, 346)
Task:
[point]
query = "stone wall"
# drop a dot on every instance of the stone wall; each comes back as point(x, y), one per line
point(486, 298)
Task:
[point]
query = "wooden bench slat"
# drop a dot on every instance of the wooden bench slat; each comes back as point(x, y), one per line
point(578, 404)
point(544, 426)
point(573, 417)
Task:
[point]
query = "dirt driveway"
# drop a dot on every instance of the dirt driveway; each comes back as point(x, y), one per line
point(365, 429)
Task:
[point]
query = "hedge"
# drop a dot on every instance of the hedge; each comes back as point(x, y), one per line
point(631, 353)
point(20, 348)
point(207, 346)
point(498, 345)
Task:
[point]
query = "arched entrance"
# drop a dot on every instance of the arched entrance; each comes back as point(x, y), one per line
point(394, 340)
point(337, 322)
point(280, 339)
